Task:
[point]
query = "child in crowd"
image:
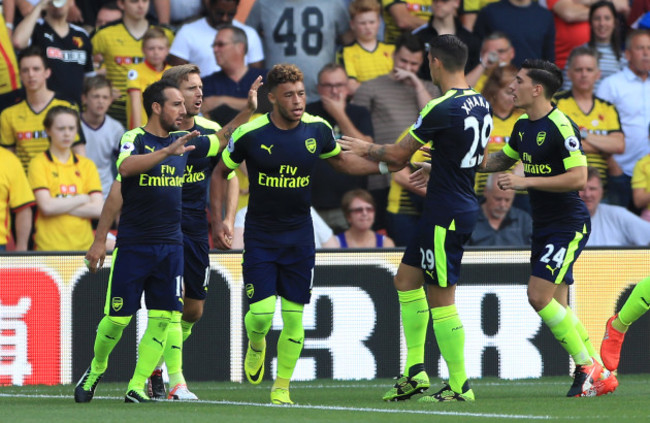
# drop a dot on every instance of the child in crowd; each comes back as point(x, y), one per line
point(101, 131)
point(155, 47)
point(118, 46)
point(66, 187)
point(366, 58)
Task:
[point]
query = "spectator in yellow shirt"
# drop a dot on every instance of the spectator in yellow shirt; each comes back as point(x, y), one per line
point(155, 47)
point(66, 186)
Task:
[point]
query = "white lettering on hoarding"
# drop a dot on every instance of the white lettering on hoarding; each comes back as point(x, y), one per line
point(13, 341)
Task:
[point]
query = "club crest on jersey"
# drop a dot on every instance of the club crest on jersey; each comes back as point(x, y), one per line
point(126, 147)
point(250, 290)
point(572, 143)
point(541, 137)
point(231, 145)
point(117, 303)
point(310, 143)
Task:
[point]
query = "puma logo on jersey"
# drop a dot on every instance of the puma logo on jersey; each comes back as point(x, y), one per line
point(521, 136)
point(264, 147)
point(49, 37)
point(152, 149)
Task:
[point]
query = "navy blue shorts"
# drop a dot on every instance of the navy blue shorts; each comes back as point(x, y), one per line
point(553, 253)
point(287, 272)
point(438, 252)
point(197, 268)
point(156, 270)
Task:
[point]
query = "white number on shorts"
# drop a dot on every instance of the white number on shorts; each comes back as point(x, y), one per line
point(427, 259)
point(179, 286)
point(473, 157)
point(558, 257)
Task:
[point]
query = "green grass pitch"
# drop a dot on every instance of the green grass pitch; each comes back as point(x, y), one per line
point(330, 400)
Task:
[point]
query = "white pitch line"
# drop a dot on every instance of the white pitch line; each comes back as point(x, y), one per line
point(321, 407)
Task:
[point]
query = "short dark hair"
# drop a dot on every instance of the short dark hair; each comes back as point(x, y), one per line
point(330, 67)
point(282, 73)
point(450, 50)
point(584, 50)
point(155, 93)
point(593, 172)
point(349, 196)
point(238, 35)
point(411, 42)
point(545, 73)
point(33, 51)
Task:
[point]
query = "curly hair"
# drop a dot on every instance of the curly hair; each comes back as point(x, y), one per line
point(282, 73)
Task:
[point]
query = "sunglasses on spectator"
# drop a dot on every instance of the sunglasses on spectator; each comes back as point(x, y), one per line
point(359, 210)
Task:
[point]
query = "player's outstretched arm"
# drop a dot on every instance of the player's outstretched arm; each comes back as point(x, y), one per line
point(112, 206)
point(574, 179)
point(140, 163)
point(242, 117)
point(496, 162)
point(393, 154)
point(222, 227)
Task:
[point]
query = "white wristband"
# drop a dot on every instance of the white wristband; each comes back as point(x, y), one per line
point(383, 168)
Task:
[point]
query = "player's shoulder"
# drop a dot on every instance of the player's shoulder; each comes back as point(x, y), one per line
point(314, 120)
point(132, 135)
point(559, 118)
point(109, 28)
point(252, 126)
point(604, 103)
point(205, 125)
point(9, 159)
point(78, 31)
point(15, 108)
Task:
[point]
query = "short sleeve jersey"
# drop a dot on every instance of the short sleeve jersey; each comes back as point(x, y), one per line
point(364, 65)
point(602, 119)
point(70, 57)
point(120, 51)
point(280, 164)
point(138, 78)
point(197, 176)
point(15, 192)
point(458, 124)
point(9, 78)
point(23, 129)
point(77, 176)
point(151, 212)
point(548, 147)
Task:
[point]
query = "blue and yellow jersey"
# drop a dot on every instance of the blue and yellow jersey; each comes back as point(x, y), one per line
point(22, 128)
point(458, 124)
point(548, 147)
point(138, 78)
point(280, 163)
point(498, 138)
point(151, 213)
point(120, 51)
point(419, 8)
point(602, 119)
point(197, 177)
point(364, 65)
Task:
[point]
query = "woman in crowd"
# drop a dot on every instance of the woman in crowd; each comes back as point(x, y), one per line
point(359, 209)
point(67, 188)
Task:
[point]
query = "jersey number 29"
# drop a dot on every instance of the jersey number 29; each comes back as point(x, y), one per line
point(475, 155)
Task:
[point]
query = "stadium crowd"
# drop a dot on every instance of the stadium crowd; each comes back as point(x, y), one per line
point(73, 74)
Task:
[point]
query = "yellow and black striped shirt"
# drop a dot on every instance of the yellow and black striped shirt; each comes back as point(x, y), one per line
point(120, 51)
point(602, 119)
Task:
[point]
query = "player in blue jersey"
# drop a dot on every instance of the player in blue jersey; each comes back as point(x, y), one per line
point(281, 149)
point(555, 168)
point(194, 225)
point(458, 124)
point(149, 253)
